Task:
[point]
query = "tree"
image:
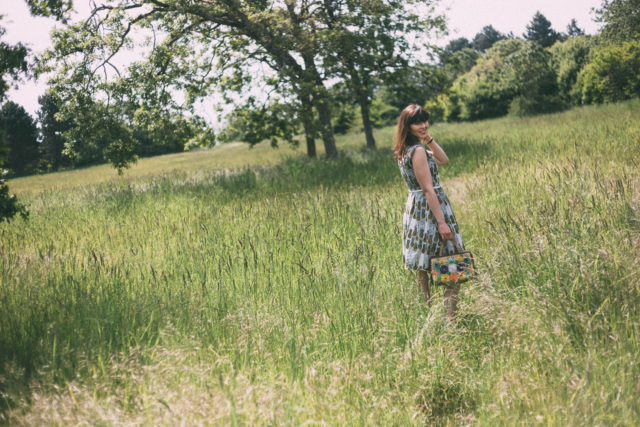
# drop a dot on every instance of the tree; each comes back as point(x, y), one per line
point(452, 47)
point(621, 19)
point(368, 41)
point(479, 93)
point(460, 62)
point(486, 38)
point(573, 30)
point(164, 134)
point(20, 139)
point(539, 31)
point(532, 80)
point(200, 37)
point(51, 132)
point(567, 59)
point(12, 64)
point(100, 132)
point(343, 108)
point(513, 76)
point(611, 74)
point(56, 8)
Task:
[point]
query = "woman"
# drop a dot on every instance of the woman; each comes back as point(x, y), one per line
point(428, 220)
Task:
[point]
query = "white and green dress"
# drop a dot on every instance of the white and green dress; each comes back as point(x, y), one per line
point(421, 239)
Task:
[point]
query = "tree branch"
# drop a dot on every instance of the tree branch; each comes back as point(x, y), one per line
point(123, 38)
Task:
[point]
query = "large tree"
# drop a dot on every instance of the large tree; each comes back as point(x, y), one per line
point(196, 46)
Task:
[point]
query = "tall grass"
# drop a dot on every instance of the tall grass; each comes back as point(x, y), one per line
point(276, 294)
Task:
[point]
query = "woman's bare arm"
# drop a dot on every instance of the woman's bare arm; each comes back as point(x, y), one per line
point(438, 152)
point(423, 175)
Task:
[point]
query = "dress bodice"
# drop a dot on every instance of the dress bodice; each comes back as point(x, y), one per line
point(408, 173)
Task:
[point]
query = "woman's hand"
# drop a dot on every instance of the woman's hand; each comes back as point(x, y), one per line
point(427, 137)
point(445, 231)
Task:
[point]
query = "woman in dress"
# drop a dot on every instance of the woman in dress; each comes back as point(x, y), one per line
point(428, 220)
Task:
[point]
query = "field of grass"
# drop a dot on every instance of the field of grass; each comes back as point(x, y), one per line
point(237, 286)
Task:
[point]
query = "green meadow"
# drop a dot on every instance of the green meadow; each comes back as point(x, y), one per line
point(253, 286)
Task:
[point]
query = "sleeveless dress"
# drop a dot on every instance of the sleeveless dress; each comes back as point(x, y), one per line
point(421, 239)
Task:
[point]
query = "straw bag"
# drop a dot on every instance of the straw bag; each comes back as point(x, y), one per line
point(451, 269)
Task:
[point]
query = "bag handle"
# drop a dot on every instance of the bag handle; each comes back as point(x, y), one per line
point(455, 244)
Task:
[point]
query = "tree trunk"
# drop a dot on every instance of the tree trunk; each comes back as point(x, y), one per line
point(366, 120)
point(360, 87)
point(307, 123)
point(322, 106)
point(321, 102)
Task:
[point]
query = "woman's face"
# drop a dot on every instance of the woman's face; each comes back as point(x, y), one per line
point(419, 130)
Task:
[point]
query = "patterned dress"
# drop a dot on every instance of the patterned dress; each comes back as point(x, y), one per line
point(421, 239)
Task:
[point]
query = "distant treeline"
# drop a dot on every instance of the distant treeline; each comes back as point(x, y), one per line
point(537, 75)
point(45, 144)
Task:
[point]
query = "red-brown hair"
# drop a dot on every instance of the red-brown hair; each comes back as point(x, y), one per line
point(412, 114)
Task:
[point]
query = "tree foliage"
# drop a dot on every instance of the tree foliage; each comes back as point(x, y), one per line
point(621, 19)
point(513, 75)
point(254, 122)
point(20, 140)
point(201, 47)
point(573, 30)
point(12, 64)
point(611, 74)
point(544, 73)
point(452, 47)
point(204, 45)
point(52, 133)
point(567, 59)
point(412, 85)
point(532, 80)
point(365, 42)
point(486, 38)
point(9, 206)
point(539, 31)
point(460, 62)
point(58, 9)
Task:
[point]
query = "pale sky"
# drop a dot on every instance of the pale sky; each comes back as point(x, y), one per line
point(465, 19)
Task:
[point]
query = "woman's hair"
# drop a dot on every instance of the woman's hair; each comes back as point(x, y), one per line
point(412, 114)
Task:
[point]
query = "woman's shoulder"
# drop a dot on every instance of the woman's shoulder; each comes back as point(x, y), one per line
point(411, 149)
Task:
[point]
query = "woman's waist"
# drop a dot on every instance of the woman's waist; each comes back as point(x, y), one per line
point(419, 190)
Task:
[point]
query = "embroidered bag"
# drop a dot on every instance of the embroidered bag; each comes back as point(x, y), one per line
point(452, 269)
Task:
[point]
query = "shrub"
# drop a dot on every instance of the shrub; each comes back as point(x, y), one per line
point(611, 74)
point(567, 59)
